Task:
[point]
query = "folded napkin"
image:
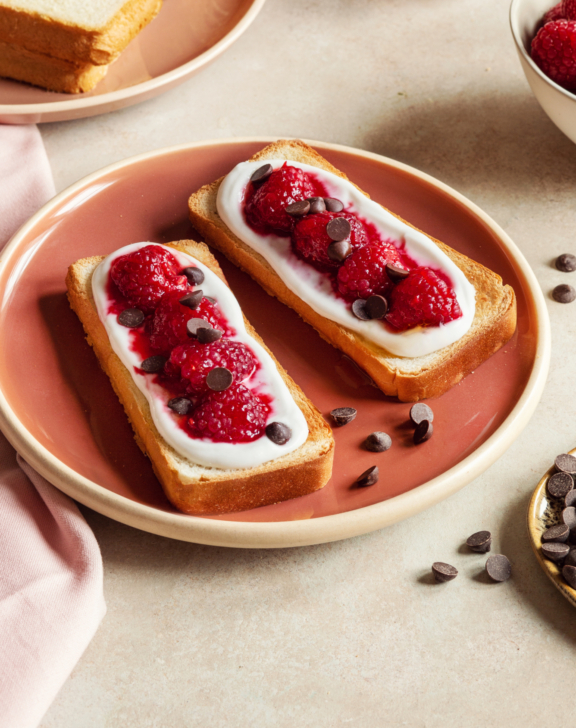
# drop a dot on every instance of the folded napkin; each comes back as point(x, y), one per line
point(51, 598)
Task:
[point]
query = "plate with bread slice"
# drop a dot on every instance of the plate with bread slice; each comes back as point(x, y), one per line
point(70, 60)
point(265, 343)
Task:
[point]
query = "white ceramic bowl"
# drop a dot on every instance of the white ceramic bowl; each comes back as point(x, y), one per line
point(559, 104)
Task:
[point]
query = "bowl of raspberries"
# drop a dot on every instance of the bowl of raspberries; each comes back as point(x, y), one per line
point(545, 37)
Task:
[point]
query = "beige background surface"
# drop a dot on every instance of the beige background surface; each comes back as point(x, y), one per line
point(353, 633)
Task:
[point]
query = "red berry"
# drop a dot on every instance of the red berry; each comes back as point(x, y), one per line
point(234, 415)
point(311, 240)
point(422, 299)
point(194, 361)
point(363, 273)
point(168, 325)
point(555, 13)
point(568, 10)
point(144, 276)
point(554, 51)
point(266, 204)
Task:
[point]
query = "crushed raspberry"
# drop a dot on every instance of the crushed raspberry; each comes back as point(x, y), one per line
point(266, 202)
point(234, 415)
point(555, 13)
point(311, 241)
point(554, 51)
point(167, 327)
point(193, 361)
point(568, 10)
point(422, 299)
point(363, 273)
point(144, 276)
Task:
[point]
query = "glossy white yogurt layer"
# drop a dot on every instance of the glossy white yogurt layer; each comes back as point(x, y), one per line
point(315, 288)
point(266, 379)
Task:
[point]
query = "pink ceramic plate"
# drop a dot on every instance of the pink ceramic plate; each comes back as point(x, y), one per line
point(59, 411)
point(185, 36)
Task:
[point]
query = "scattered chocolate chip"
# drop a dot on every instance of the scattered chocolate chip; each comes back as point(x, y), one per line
point(420, 412)
point(194, 325)
point(566, 262)
point(378, 442)
point(278, 432)
point(480, 542)
point(569, 574)
point(317, 205)
point(564, 293)
point(423, 432)
point(262, 173)
point(207, 336)
point(395, 273)
point(555, 551)
point(180, 405)
point(194, 275)
point(570, 499)
point(558, 533)
point(298, 209)
point(569, 517)
point(339, 251)
point(131, 318)
point(338, 229)
point(368, 477)
point(570, 560)
point(153, 364)
point(565, 463)
point(359, 309)
point(559, 485)
point(209, 298)
point(376, 306)
point(343, 415)
point(443, 572)
point(333, 205)
point(192, 300)
point(498, 567)
point(219, 379)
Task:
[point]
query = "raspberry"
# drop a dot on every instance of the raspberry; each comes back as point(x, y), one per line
point(363, 273)
point(422, 299)
point(265, 207)
point(568, 10)
point(554, 51)
point(168, 325)
point(194, 361)
point(234, 415)
point(555, 13)
point(311, 240)
point(144, 276)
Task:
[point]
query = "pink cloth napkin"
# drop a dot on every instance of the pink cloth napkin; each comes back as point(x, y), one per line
point(51, 598)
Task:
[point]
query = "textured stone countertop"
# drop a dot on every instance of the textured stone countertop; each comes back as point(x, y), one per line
point(350, 633)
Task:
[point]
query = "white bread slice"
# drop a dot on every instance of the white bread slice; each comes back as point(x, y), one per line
point(193, 488)
point(80, 31)
point(410, 379)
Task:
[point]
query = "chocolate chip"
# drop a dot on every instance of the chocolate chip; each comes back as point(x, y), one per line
point(219, 379)
point(564, 293)
point(359, 309)
point(209, 298)
point(180, 405)
point(131, 318)
point(570, 560)
point(339, 251)
point(338, 229)
point(153, 364)
point(298, 209)
point(570, 499)
point(368, 477)
point(207, 336)
point(559, 485)
point(420, 412)
point(317, 205)
point(278, 432)
point(569, 574)
point(343, 415)
point(480, 542)
point(192, 300)
point(194, 275)
point(333, 205)
point(566, 262)
point(378, 442)
point(194, 325)
point(498, 567)
point(555, 551)
point(558, 533)
point(443, 572)
point(376, 306)
point(423, 432)
point(565, 463)
point(395, 273)
point(569, 517)
point(262, 173)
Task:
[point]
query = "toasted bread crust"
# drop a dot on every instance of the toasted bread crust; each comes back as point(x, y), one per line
point(208, 490)
point(494, 321)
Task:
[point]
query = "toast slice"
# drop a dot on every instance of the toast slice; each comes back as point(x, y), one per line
point(193, 488)
point(409, 379)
